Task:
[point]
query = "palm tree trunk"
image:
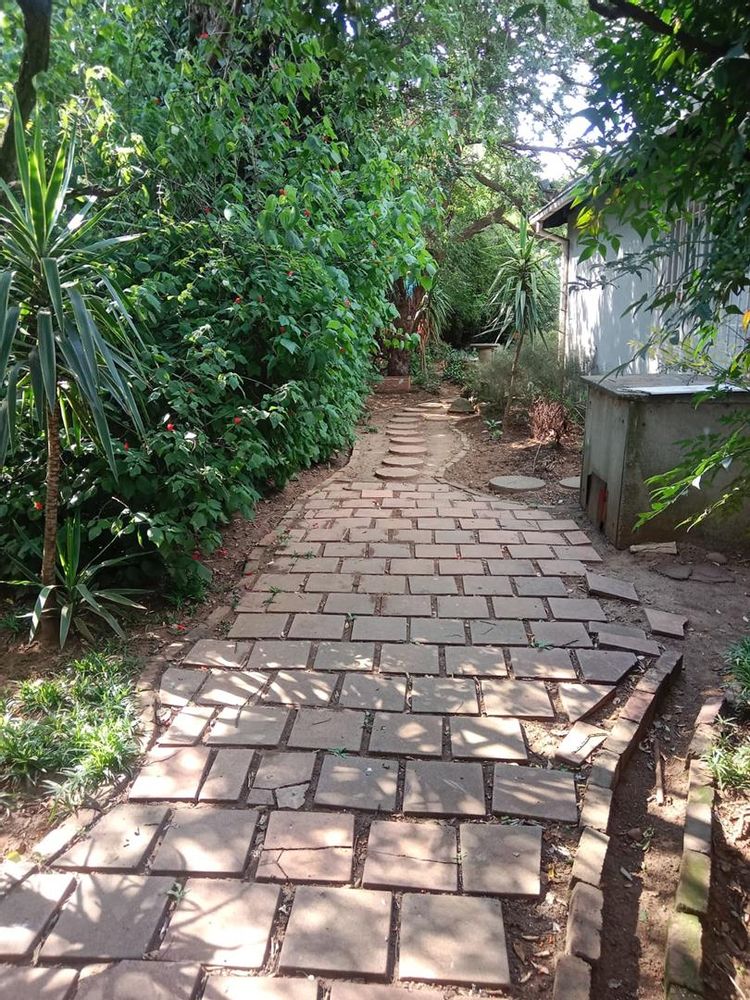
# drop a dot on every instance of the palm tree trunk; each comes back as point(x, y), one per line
point(49, 553)
point(512, 381)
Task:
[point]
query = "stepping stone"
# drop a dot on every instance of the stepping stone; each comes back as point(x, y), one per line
point(473, 661)
point(26, 911)
point(207, 841)
point(109, 917)
point(152, 980)
point(307, 847)
point(402, 461)
point(221, 922)
point(666, 623)
point(397, 448)
point(407, 735)
point(580, 700)
point(317, 627)
point(542, 664)
point(617, 640)
point(443, 789)
point(327, 729)
point(572, 635)
point(521, 699)
point(344, 656)
point(120, 841)
point(576, 609)
point(259, 626)
point(171, 773)
point(29, 983)
point(396, 475)
point(498, 633)
point(358, 783)
point(338, 931)
point(534, 793)
point(373, 692)
point(370, 991)
point(179, 685)
point(501, 860)
point(449, 695)
point(675, 571)
point(259, 727)
point(299, 687)
point(226, 779)
point(579, 744)
point(518, 607)
point(461, 405)
point(278, 771)
point(487, 739)
point(708, 573)
point(607, 586)
point(571, 483)
point(272, 988)
point(218, 653)
point(599, 666)
point(453, 939)
point(516, 484)
point(411, 856)
point(409, 659)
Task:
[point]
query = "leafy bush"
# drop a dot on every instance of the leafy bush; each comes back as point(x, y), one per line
point(71, 732)
point(738, 658)
point(458, 364)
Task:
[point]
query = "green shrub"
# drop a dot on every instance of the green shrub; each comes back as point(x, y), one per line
point(738, 658)
point(458, 364)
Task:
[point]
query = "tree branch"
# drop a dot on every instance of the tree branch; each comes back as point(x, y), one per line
point(499, 188)
point(478, 225)
point(37, 15)
point(618, 10)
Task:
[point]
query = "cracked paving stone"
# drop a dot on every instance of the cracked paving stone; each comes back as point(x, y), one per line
point(501, 860)
point(411, 856)
point(188, 726)
point(222, 922)
point(150, 980)
point(534, 793)
point(453, 939)
point(338, 931)
point(366, 783)
point(442, 788)
point(279, 770)
point(206, 840)
point(488, 739)
point(120, 841)
point(326, 729)
point(307, 847)
point(560, 634)
point(405, 734)
point(27, 909)
point(522, 699)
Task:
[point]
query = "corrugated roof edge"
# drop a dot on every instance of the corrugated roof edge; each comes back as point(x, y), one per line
point(555, 212)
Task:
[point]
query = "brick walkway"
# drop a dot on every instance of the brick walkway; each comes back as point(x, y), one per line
point(357, 780)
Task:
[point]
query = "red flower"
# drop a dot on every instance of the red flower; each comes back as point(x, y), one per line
point(238, 420)
point(306, 212)
point(237, 299)
point(282, 191)
point(290, 274)
point(203, 34)
point(197, 554)
point(170, 427)
point(206, 210)
point(38, 505)
point(126, 446)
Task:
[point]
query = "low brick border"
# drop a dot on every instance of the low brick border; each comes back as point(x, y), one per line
point(586, 900)
point(683, 958)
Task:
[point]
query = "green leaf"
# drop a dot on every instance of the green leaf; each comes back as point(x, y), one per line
point(47, 356)
point(36, 614)
point(54, 287)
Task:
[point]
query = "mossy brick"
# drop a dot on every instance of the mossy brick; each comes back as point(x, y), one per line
point(695, 883)
point(572, 979)
point(583, 937)
point(684, 955)
point(698, 819)
point(605, 770)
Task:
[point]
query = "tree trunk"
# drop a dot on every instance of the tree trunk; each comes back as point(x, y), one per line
point(48, 630)
point(512, 381)
point(37, 15)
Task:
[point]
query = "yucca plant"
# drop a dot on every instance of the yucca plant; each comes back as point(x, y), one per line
point(67, 341)
point(522, 298)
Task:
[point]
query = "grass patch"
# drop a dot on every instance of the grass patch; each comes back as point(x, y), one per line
point(65, 735)
point(729, 758)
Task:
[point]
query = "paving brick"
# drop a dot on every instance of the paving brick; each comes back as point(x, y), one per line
point(271, 988)
point(382, 584)
point(444, 694)
point(284, 602)
point(543, 538)
point(579, 744)
point(344, 656)
point(259, 626)
point(255, 727)
point(27, 983)
point(561, 567)
point(411, 856)
point(222, 922)
point(188, 726)
point(363, 565)
point(179, 684)
point(597, 807)
point(339, 931)
point(413, 567)
point(353, 550)
point(534, 793)
point(522, 699)
point(206, 840)
point(120, 841)
point(279, 771)
point(300, 687)
point(576, 609)
point(622, 737)
point(639, 707)
point(317, 627)
point(607, 586)
point(695, 883)
point(318, 565)
point(583, 937)
point(278, 581)
point(462, 607)
point(501, 860)
point(490, 585)
point(684, 956)
point(511, 567)
point(591, 854)
point(475, 661)
point(580, 700)
point(699, 820)
point(432, 585)
point(226, 779)
point(371, 991)
point(26, 911)
point(326, 729)
point(460, 567)
point(487, 739)
point(572, 979)
point(482, 551)
point(498, 633)
point(278, 655)
point(407, 604)
point(218, 653)
point(543, 664)
point(453, 939)
point(109, 917)
point(443, 789)
point(373, 692)
point(330, 583)
point(390, 550)
point(407, 735)
point(131, 980)
point(168, 773)
point(561, 634)
point(600, 666)
point(426, 550)
point(307, 847)
point(605, 769)
point(380, 629)
point(518, 607)
point(530, 552)
point(358, 783)
point(350, 604)
point(618, 640)
point(540, 586)
point(666, 623)
point(226, 687)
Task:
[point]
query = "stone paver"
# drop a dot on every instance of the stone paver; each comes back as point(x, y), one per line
point(226, 779)
point(522, 699)
point(188, 725)
point(567, 635)
point(602, 667)
point(327, 729)
point(409, 659)
point(307, 847)
point(404, 734)
point(453, 939)
point(411, 856)
point(152, 980)
point(171, 773)
point(501, 860)
point(260, 727)
point(534, 793)
point(366, 783)
point(444, 694)
point(544, 664)
point(278, 771)
point(480, 661)
point(207, 840)
point(179, 685)
point(120, 841)
point(344, 656)
point(222, 922)
point(277, 655)
point(26, 910)
point(580, 700)
point(338, 931)
point(218, 653)
point(443, 789)
point(27, 983)
point(487, 739)
point(499, 633)
point(224, 687)
point(373, 692)
point(298, 687)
